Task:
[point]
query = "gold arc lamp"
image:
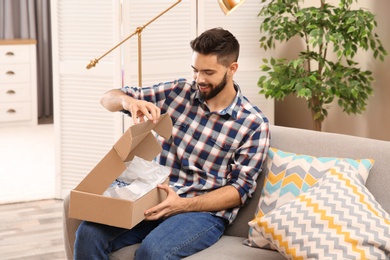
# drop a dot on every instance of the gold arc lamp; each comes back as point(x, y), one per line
point(227, 7)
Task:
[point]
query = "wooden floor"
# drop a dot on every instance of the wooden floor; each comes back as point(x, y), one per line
point(31, 230)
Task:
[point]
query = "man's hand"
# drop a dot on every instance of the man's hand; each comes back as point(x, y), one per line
point(140, 109)
point(117, 100)
point(172, 205)
point(223, 198)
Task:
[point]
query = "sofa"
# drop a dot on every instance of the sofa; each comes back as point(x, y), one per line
point(299, 141)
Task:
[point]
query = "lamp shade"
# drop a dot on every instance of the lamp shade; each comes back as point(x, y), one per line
point(229, 6)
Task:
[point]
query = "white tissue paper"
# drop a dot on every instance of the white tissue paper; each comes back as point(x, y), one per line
point(137, 179)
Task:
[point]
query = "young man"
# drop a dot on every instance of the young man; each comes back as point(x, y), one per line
point(218, 145)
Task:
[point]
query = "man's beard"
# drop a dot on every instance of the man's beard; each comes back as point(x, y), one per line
point(214, 91)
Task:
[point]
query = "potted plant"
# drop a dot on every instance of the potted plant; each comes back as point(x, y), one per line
point(324, 69)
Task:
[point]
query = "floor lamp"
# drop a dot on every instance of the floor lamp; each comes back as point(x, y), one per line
point(227, 7)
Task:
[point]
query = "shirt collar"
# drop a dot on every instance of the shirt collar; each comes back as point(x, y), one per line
point(231, 110)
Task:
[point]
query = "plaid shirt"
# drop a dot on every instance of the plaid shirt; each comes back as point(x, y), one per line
point(209, 150)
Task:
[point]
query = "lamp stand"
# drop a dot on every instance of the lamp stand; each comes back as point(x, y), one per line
point(137, 31)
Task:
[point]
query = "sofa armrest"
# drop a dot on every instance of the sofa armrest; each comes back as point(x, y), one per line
point(70, 226)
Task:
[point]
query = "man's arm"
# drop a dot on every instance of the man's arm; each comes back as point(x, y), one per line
point(112, 100)
point(116, 100)
point(220, 199)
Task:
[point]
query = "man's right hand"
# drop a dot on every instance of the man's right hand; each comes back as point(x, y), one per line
point(116, 100)
point(140, 109)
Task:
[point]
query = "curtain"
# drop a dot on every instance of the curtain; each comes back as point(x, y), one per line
point(30, 19)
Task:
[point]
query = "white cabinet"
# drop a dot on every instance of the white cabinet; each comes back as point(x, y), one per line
point(18, 82)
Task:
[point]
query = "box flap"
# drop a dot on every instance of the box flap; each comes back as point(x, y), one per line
point(128, 142)
point(164, 126)
point(104, 173)
point(138, 139)
point(147, 150)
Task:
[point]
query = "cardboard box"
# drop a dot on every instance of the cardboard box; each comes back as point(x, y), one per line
point(87, 201)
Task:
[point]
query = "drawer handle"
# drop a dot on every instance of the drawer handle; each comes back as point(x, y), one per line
point(10, 72)
point(11, 111)
point(10, 53)
point(11, 92)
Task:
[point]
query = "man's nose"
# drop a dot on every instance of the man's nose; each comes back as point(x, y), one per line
point(199, 78)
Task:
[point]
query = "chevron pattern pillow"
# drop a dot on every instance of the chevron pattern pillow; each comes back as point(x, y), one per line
point(338, 218)
point(288, 175)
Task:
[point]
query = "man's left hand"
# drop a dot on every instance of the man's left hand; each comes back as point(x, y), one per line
point(172, 205)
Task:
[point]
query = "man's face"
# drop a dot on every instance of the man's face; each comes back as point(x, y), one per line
point(210, 76)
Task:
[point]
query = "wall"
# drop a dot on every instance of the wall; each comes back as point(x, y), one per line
point(375, 121)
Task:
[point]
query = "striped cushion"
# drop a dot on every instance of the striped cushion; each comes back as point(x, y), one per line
point(338, 218)
point(288, 175)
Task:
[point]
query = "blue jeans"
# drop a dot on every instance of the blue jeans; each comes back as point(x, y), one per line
point(173, 238)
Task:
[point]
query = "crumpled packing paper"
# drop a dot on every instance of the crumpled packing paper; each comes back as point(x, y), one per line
point(139, 177)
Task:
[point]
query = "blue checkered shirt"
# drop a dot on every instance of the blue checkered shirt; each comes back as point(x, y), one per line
point(209, 150)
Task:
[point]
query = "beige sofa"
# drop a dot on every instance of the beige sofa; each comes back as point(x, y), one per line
point(291, 140)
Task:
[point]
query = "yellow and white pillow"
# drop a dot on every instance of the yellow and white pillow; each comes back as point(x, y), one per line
point(289, 175)
point(338, 218)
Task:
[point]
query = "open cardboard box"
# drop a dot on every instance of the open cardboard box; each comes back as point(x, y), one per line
point(87, 201)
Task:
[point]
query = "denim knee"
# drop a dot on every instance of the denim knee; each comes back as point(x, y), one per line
point(87, 244)
point(148, 251)
point(180, 236)
point(84, 236)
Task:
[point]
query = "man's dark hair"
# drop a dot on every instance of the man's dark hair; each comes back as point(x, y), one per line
point(217, 42)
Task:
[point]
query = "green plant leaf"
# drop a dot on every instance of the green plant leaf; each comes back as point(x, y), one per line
point(315, 74)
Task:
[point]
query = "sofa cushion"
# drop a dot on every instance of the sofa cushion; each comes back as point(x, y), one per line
point(228, 247)
point(338, 218)
point(288, 175)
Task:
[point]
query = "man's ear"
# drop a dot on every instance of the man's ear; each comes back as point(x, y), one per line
point(233, 68)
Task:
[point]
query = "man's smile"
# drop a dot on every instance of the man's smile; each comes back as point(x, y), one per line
point(204, 87)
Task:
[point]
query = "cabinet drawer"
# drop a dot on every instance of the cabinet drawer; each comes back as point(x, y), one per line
point(15, 92)
point(19, 111)
point(13, 73)
point(14, 54)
